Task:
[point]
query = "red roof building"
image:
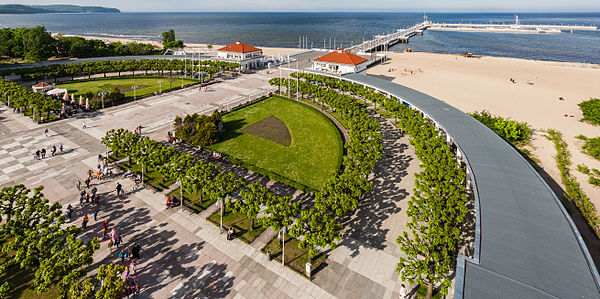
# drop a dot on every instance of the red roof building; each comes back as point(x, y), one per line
point(239, 47)
point(340, 62)
point(247, 56)
point(42, 87)
point(341, 57)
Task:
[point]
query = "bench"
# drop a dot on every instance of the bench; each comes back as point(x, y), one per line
point(155, 188)
point(191, 209)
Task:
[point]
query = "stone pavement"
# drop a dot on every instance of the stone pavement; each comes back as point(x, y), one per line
point(184, 255)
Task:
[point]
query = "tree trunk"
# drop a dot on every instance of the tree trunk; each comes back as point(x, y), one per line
point(429, 291)
point(104, 74)
point(252, 224)
point(119, 74)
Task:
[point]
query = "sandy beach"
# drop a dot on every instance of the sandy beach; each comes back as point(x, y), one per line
point(483, 83)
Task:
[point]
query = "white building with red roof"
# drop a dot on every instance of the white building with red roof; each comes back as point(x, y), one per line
point(340, 62)
point(42, 87)
point(247, 56)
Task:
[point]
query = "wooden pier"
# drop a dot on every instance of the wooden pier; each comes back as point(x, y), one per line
point(382, 42)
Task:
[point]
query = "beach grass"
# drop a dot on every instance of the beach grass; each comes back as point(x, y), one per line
point(314, 153)
point(146, 85)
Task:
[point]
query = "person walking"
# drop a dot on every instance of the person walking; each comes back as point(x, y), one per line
point(119, 189)
point(53, 150)
point(81, 199)
point(38, 154)
point(78, 185)
point(46, 131)
point(94, 191)
point(69, 212)
point(110, 244)
point(60, 147)
point(84, 126)
point(105, 224)
point(95, 213)
point(84, 221)
point(87, 183)
point(135, 251)
point(43, 153)
point(118, 240)
point(122, 255)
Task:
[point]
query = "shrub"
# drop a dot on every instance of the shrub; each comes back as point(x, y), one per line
point(591, 146)
point(591, 110)
point(509, 130)
point(573, 190)
point(198, 129)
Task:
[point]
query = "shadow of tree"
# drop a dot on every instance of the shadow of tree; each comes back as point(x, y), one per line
point(366, 226)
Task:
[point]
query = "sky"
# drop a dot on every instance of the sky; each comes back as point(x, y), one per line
point(335, 5)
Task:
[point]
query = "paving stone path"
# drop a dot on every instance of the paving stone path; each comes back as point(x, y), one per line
point(184, 255)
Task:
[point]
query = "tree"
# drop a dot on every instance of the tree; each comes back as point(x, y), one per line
point(225, 183)
point(38, 44)
point(39, 242)
point(316, 229)
point(252, 198)
point(106, 284)
point(168, 36)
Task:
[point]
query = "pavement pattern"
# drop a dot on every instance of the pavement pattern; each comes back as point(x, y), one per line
point(184, 255)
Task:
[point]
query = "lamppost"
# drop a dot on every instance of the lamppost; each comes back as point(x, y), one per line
point(102, 94)
point(135, 87)
point(160, 86)
point(180, 182)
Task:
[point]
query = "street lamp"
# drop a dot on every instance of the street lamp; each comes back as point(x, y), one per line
point(160, 85)
point(135, 87)
point(102, 94)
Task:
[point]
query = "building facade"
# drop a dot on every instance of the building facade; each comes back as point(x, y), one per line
point(340, 62)
point(247, 56)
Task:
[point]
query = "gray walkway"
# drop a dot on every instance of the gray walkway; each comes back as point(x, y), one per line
point(183, 255)
point(526, 243)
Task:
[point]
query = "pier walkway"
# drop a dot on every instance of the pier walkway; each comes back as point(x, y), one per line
point(381, 42)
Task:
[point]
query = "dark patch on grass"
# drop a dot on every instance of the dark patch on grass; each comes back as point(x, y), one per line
point(272, 129)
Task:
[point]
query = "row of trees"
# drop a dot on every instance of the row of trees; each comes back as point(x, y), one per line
point(510, 130)
point(25, 98)
point(35, 238)
point(341, 194)
point(197, 129)
point(37, 44)
point(102, 67)
point(438, 208)
point(206, 179)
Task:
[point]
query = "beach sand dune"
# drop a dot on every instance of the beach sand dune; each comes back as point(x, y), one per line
point(475, 84)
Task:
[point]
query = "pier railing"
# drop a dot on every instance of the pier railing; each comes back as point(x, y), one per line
point(384, 41)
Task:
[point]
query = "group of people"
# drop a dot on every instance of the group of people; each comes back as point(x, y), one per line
point(138, 130)
point(41, 153)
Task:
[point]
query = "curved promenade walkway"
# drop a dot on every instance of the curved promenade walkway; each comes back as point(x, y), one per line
point(526, 245)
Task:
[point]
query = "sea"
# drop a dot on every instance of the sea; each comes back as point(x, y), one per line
point(336, 30)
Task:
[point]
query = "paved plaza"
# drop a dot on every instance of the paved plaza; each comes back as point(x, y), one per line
point(183, 255)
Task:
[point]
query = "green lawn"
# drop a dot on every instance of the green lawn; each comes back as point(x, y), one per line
point(313, 156)
point(295, 258)
point(240, 223)
point(146, 85)
point(193, 199)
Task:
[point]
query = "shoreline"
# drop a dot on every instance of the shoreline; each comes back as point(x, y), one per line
point(269, 51)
